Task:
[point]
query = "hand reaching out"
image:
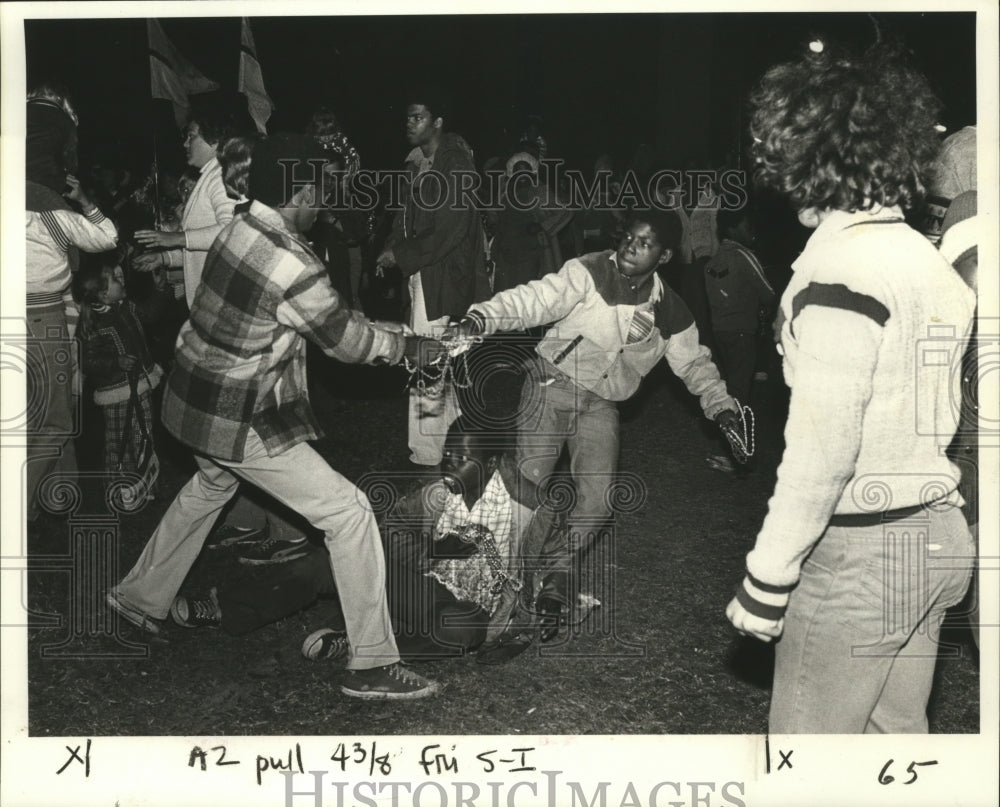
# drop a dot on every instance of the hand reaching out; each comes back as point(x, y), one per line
point(155, 239)
point(424, 351)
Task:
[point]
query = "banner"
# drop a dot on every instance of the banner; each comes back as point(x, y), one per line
point(251, 82)
point(171, 76)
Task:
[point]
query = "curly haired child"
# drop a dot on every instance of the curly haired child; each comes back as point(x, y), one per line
point(864, 545)
point(115, 355)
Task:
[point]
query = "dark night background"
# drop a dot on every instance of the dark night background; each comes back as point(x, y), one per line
point(602, 83)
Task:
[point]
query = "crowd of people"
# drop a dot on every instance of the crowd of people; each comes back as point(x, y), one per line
point(238, 262)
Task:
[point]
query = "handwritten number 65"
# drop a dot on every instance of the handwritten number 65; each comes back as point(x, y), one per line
point(884, 778)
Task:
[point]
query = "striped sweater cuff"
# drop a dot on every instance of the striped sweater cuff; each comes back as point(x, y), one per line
point(95, 216)
point(763, 599)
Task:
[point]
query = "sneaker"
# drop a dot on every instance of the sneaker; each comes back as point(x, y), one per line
point(130, 613)
point(191, 613)
point(720, 462)
point(273, 550)
point(392, 682)
point(230, 535)
point(325, 644)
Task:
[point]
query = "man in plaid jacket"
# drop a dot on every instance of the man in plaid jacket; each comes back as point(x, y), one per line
point(238, 396)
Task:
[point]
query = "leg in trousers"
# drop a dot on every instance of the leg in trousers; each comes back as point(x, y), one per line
point(301, 479)
point(52, 355)
point(157, 576)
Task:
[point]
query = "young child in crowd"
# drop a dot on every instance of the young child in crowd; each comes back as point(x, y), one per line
point(115, 356)
point(737, 290)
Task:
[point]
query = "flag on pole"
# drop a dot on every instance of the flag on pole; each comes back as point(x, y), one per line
point(251, 82)
point(171, 76)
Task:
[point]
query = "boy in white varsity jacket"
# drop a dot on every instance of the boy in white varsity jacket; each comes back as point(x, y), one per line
point(614, 319)
point(864, 546)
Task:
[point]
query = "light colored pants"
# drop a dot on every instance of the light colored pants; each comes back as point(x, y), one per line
point(430, 417)
point(861, 632)
point(555, 412)
point(300, 479)
point(52, 353)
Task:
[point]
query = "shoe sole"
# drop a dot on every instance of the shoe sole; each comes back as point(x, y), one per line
point(177, 621)
point(375, 695)
point(315, 641)
point(235, 540)
point(292, 555)
point(142, 622)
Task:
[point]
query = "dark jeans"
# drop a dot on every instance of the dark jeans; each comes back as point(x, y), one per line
point(427, 619)
point(736, 352)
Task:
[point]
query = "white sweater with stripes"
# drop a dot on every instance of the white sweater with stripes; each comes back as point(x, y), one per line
point(875, 321)
point(51, 233)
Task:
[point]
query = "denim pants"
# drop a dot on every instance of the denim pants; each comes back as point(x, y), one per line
point(555, 412)
point(736, 353)
point(861, 632)
point(428, 620)
point(300, 479)
point(49, 393)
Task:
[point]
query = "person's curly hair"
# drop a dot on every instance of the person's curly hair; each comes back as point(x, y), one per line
point(842, 132)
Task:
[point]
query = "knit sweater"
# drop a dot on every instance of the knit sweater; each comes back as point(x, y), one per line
point(207, 211)
point(874, 321)
point(53, 229)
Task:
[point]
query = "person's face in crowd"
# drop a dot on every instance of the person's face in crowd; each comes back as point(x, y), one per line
point(640, 250)
point(114, 291)
point(302, 209)
point(421, 126)
point(197, 149)
point(465, 467)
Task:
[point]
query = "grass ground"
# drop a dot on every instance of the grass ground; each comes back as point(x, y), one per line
point(658, 657)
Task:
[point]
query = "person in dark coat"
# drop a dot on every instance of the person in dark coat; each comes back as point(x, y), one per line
point(438, 244)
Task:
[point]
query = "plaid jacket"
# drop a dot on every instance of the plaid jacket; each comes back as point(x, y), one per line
point(241, 357)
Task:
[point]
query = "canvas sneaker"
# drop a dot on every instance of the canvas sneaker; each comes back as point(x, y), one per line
point(230, 535)
point(191, 613)
point(325, 644)
point(130, 613)
point(393, 682)
point(273, 550)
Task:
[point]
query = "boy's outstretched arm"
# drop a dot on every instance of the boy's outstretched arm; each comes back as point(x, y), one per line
point(692, 363)
point(536, 303)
